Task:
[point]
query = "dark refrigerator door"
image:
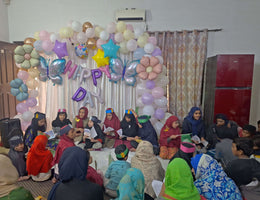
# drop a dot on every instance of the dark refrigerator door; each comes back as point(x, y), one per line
point(234, 70)
point(235, 103)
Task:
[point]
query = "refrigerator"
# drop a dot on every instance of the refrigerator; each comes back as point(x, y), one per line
point(227, 87)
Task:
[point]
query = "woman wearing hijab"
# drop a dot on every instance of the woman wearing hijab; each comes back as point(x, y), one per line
point(194, 124)
point(130, 129)
point(80, 122)
point(145, 160)
point(179, 182)
point(113, 122)
point(61, 119)
point(8, 179)
point(73, 167)
point(131, 185)
point(222, 129)
point(39, 160)
point(170, 139)
point(211, 181)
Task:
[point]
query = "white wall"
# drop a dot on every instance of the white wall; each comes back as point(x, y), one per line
point(239, 20)
point(4, 29)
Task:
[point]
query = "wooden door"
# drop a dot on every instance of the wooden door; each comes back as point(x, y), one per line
point(8, 72)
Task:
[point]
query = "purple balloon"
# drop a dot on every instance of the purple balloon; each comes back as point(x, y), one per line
point(60, 49)
point(112, 37)
point(147, 98)
point(96, 73)
point(21, 107)
point(159, 113)
point(31, 102)
point(157, 52)
point(157, 92)
point(77, 97)
point(150, 84)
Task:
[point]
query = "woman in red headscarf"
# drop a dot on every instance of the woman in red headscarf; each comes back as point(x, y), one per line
point(170, 138)
point(80, 122)
point(39, 159)
point(111, 121)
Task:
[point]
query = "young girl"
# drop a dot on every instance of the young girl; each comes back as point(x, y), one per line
point(96, 141)
point(170, 139)
point(80, 122)
point(61, 119)
point(39, 160)
point(194, 124)
point(130, 129)
point(145, 160)
point(38, 124)
point(112, 121)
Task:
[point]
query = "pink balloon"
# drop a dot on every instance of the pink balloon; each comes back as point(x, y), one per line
point(47, 45)
point(157, 92)
point(31, 102)
point(119, 37)
point(100, 42)
point(21, 107)
point(152, 40)
point(105, 70)
point(23, 75)
point(44, 35)
point(130, 27)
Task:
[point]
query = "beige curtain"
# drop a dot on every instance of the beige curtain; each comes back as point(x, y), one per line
point(184, 55)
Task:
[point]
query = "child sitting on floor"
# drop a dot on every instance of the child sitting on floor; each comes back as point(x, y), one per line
point(116, 170)
point(92, 174)
point(170, 139)
point(17, 153)
point(80, 122)
point(256, 148)
point(95, 138)
point(60, 121)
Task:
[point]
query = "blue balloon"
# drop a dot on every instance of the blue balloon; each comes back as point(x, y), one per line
point(110, 49)
point(19, 89)
point(139, 53)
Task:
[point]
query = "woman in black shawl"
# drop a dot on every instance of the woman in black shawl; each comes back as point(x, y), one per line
point(61, 119)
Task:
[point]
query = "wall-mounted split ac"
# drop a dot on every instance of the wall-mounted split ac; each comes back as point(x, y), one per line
point(133, 15)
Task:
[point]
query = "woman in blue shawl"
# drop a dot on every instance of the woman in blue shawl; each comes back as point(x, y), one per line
point(194, 124)
point(211, 180)
point(73, 167)
point(131, 185)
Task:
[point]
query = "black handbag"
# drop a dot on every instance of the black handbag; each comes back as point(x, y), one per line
point(6, 126)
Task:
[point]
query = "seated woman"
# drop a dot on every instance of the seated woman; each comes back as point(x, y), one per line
point(130, 130)
point(131, 185)
point(194, 124)
point(145, 160)
point(73, 167)
point(39, 160)
point(179, 182)
point(113, 122)
point(60, 121)
point(8, 179)
point(211, 181)
point(223, 128)
point(80, 122)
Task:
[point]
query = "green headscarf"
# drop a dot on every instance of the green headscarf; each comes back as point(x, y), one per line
point(179, 181)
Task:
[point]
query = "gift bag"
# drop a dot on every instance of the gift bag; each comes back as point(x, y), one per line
point(6, 126)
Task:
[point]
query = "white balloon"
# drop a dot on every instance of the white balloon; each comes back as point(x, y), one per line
point(131, 45)
point(54, 37)
point(90, 32)
point(138, 32)
point(160, 59)
point(104, 35)
point(148, 110)
point(139, 102)
point(27, 116)
point(140, 89)
point(149, 48)
point(81, 37)
point(33, 93)
point(76, 26)
point(161, 102)
point(167, 115)
point(111, 27)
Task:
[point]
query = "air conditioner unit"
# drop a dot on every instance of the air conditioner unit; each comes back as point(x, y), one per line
point(134, 15)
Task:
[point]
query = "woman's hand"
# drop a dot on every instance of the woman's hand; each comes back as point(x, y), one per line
point(173, 136)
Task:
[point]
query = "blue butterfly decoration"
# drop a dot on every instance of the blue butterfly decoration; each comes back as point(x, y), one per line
point(51, 70)
point(126, 71)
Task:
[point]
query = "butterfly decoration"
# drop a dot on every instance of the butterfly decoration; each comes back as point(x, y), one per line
point(51, 70)
point(123, 70)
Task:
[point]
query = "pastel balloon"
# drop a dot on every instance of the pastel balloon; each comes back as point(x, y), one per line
point(33, 93)
point(157, 92)
point(123, 48)
point(161, 102)
point(44, 35)
point(158, 126)
point(27, 116)
point(96, 73)
point(121, 26)
point(90, 32)
point(79, 94)
point(138, 32)
point(150, 84)
point(22, 75)
point(38, 45)
point(157, 52)
point(138, 53)
point(152, 40)
point(131, 45)
point(149, 48)
point(21, 107)
point(140, 89)
point(119, 37)
point(111, 27)
point(148, 110)
point(100, 42)
point(32, 83)
point(139, 102)
point(106, 71)
point(47, 45)
point(24, 125)
point(76, 26)
point(130, 27)
point(60, 49)
point(159, 114)
point(147, 99)
point(98, 30)
point(160, 59)
point(104, 35)
point(66, 32)
point(128, 35)
point(142, 40)
point(36, 35)
point(81, 37)
point(31, 102)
